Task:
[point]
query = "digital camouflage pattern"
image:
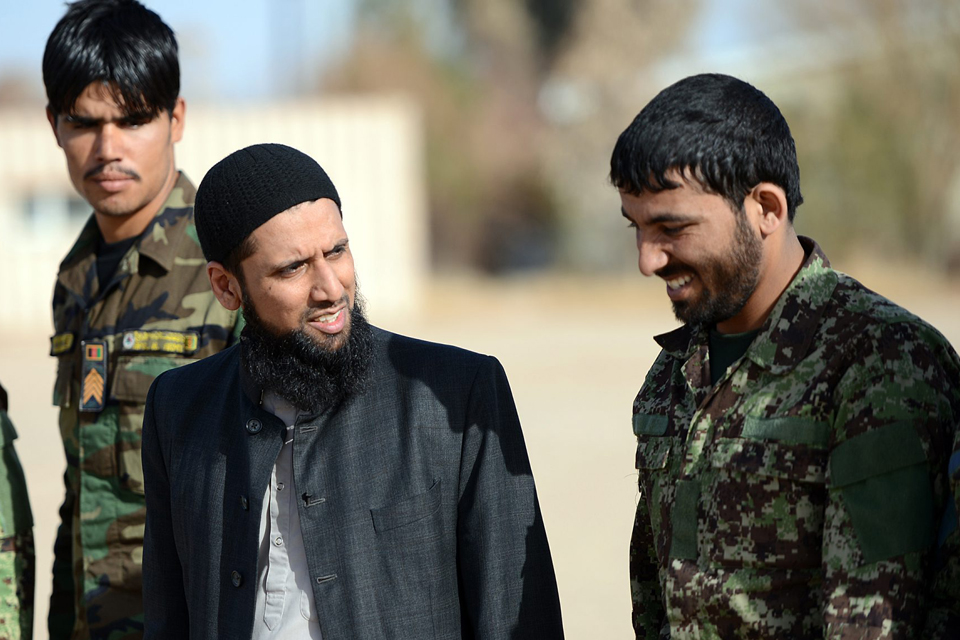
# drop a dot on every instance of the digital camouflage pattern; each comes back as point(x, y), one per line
point(802, 495)
point(17, 560)
point(156, 313)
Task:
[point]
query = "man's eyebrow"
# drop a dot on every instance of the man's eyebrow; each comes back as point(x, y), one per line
point(661, 218)
point(73, 118)
point(340, 244)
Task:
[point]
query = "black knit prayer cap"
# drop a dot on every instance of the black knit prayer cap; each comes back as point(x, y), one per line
point(249, 187)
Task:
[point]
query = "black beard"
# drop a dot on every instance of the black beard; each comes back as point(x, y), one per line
point(733, 281)
point(307, 375)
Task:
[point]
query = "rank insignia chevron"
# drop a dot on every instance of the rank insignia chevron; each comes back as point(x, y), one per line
point(93, 383)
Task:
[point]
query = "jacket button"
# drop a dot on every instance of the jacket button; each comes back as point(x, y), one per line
point(236, 578)
point(254, 426)
point(245, 503)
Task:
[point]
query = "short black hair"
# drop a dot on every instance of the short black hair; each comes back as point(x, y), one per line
point(715, 129)
point(120, 43)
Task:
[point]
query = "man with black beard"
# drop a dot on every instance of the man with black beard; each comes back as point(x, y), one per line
point(793, 436)
point(325, 478)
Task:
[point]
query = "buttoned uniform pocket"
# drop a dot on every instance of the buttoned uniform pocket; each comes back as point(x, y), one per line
point(420, 508)
point(764, 499)
point(131, 381)
point(653, 455)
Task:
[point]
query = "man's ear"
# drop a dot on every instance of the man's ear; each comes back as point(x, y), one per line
point(225, 286)
point(178, 119)
point(52, 119)
point(769, 202)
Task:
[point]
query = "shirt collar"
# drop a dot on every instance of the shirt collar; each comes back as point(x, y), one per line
point(785, 337)
point(161, 239)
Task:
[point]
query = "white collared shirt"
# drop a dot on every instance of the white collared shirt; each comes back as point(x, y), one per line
point(285, 608)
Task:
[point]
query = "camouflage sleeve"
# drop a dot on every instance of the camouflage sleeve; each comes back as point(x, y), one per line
point(17, 558)
point(886, 484)
point(648, 612)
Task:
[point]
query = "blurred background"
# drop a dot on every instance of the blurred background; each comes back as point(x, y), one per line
point(470, 142)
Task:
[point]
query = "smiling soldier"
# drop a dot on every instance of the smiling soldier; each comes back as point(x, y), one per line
point(131, 300)
point(325, 478)
point(793, 436)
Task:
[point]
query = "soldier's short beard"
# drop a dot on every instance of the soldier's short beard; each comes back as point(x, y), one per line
point(727, 284)
point(303, 372)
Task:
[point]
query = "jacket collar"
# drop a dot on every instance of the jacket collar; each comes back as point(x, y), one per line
point(161, 239)
point(785, 337)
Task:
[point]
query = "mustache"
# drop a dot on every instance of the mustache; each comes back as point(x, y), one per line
point(100, 168)
point(671, 270)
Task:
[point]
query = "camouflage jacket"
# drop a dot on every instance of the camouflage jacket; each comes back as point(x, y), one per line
point(801, 495)
point(156, 313)
point(17, 558)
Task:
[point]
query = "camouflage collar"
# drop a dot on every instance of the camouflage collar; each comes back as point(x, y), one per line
point(786, 335)
point(161, 239)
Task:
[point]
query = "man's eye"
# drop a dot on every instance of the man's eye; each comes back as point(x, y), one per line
point(632, 225)
point(78, 124)
point(291, 268)
point(672, 231)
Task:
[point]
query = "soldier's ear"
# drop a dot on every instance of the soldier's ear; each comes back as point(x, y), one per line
point(225, 286)
point(769, 201)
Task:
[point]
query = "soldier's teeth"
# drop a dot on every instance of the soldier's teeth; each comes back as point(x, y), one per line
point(679, 282)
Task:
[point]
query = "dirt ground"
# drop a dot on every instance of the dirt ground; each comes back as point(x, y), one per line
point(575, 349)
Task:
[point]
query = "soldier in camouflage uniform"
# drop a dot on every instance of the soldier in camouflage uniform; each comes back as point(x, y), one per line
point(793, 436)
point(17, 561)
point(132, 297)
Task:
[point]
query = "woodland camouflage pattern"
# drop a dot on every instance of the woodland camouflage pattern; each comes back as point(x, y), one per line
point(804, 495)
point(156, 313)
point(17, 559)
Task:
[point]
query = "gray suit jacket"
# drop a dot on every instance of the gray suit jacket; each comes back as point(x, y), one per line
point(416, 501)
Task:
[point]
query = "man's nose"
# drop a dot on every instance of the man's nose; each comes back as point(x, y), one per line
point(109, 143)
point(327, 286)
point(652, 256)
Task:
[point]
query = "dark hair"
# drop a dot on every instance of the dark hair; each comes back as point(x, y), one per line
point(246, 248)
point(715, 129)
point(120, 43)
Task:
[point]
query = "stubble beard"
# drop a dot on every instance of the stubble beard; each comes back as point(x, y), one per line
point(728, 281)
point(311, 375)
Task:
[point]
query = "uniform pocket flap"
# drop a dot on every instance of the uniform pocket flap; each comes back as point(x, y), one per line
point(135, 374)
point(652, 453)
point(645, 424)
point(407, 510)
point(883, 450)
point(787, 429)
